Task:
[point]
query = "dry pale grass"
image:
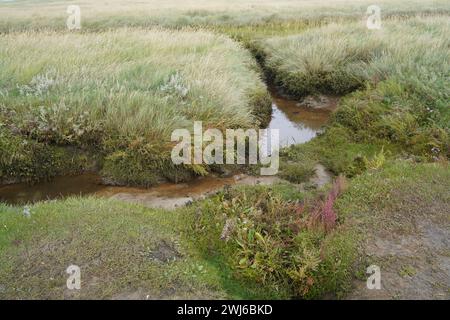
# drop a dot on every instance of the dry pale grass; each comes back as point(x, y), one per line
point(28, 14)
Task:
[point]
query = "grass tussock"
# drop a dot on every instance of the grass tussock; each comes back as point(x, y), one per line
point(124, 92)
point(339, 58)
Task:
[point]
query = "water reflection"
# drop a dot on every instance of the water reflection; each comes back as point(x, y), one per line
point(298, 123)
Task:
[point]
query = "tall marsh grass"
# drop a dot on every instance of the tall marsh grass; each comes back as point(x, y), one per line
point(125, 91)
point(20, 15)
point(399, 76)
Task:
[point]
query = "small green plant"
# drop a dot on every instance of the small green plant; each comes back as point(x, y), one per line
point(407, 271)
point(297, 172)
point(377, 161)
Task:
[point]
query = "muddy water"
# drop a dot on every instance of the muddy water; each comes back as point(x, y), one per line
point(91, 184)
point(22, 193)
point(166, 195)
point(297, 124)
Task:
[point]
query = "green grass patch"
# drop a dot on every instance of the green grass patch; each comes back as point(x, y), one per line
point(243, 243)
point(390, 199)
point(123, 251)
point(336, 150)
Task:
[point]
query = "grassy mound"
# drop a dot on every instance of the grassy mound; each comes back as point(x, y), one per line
point(340, 58)
point(124, 251)
point(122, 93)
point(398, 83)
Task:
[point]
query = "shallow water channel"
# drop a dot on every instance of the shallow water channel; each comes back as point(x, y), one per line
point(297, 123)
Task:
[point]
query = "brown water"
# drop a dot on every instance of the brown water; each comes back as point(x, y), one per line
point(166, 195)
point(91, 184)
point(297, 124)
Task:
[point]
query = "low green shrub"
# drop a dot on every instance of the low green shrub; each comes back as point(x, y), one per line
point(272, 241)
